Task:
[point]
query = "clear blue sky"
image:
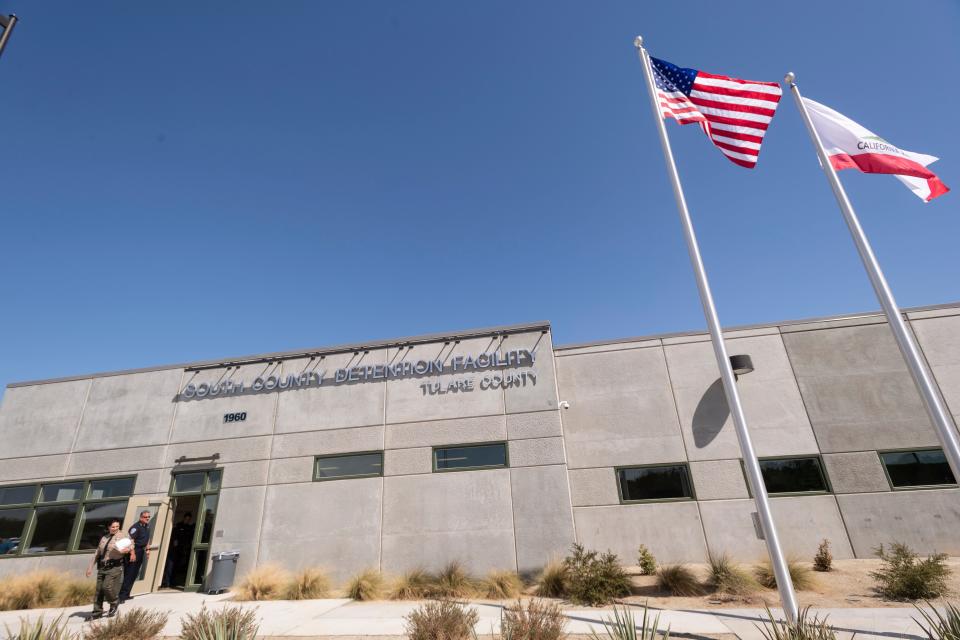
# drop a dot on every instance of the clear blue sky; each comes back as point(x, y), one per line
point(222, 179)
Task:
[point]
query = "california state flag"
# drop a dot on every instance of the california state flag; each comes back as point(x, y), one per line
point(850, 146)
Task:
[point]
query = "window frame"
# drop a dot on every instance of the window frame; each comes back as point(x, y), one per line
point(355, 476)
point(467, 445)
point(823, 474)
point(686, 468)
point(914, 487)
point(76, 528)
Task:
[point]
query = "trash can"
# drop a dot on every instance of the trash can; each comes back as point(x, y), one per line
point(222, 572)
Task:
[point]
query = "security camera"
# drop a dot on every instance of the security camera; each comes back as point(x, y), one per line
point(564, 404)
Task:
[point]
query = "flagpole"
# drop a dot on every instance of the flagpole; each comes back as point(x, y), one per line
point(784, 584)
point(8, 23)
point(939, 416)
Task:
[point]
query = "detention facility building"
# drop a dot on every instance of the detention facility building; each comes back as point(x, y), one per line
point(492, 447)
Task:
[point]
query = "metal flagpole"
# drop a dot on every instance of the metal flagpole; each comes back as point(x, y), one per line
point(938, 413)
point(8, 23)
point(787, 596)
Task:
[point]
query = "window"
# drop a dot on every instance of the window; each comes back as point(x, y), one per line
point(59, 517)
point(925, 468)
point(470, 456)
point(659, 482)
point(353, 465)
point(793, 475)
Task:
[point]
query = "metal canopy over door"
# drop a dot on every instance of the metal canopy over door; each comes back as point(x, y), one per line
point(202, 488)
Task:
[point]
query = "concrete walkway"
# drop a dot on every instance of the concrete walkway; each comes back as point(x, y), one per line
point(341, 617)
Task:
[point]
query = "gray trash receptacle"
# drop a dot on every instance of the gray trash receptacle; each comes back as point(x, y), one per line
point(222, 572)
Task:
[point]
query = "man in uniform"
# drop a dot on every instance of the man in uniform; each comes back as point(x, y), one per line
point(178, 555)
point(109, 562)
point(140, 534)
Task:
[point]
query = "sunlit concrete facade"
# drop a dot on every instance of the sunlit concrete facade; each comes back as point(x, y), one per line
point(835, 388)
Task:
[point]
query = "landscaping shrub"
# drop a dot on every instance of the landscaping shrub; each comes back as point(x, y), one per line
point(501, 585)
point(623, 626)
point(413, 585)
point(800, 575)
point(28, 590)
point(538, 620)
point(728, 577)
point(552, 581)
point(308, 584)
point(823, 561)
point(679, 580)
point(41, 629)
point(904, 576)
point(74, 592)
point(444, 620)
point(805, 628)
point(646, 561)
point(229, 623)
point(942, 626)
point(266, 582)
point(136, 624)
point(367, 585)
point(594, 578)
point(453, 582)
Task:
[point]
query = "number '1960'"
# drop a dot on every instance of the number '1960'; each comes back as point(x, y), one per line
point(235, 417)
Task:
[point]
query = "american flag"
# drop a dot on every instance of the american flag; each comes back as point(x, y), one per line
point(733, 113)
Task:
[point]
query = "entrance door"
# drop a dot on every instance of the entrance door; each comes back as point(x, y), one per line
point(146, 581)
point(198, 493)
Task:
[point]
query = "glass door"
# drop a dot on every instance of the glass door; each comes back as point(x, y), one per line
point(203, 489)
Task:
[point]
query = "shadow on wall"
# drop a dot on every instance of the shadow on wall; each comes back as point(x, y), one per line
point(712, 411)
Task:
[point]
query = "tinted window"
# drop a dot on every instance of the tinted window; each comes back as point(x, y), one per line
point(114, 488)
point(61, 492)
point(793, 475)
point(655, 483)
point(52, 532)
point(96, 520)
point(12, 522)
point(471, 457)
point(917, 468)
point(188, 482)
point(18, 495)
point(349, 466)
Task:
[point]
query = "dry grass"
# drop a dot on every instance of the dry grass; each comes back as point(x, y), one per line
point(367, 585)
point(29, 590)
point(413, 585)
point(726, 576)
point(552, 581)
point(444, 620)
point(74, 592)
point(539, 620)
point(136, 624)
point(266, 582)
point(308, 584)
point(800, 574)
point(231, 623)
point(501, 585)
point(679, 580)
point(453, 581)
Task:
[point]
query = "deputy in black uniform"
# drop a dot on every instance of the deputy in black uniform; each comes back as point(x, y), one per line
point(140, 534)
point(179, 553)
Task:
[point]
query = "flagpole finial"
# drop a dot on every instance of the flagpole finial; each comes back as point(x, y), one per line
point(790, 78)
point(638, 42)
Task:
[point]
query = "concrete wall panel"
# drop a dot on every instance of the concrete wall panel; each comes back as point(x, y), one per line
point(539, 424)
point(593, 487)
point(928, 521)
point(771, 400)
point(328, 442)
point(856, 472)
point(287, 470)
point(431, 520)
point(245, 474)
point(114, 461)
point(802, 523)
point(237, 527)
point(332, 405)
point(19, 566)
point(542, 517)
point(405, 462)
point(671, 530)
point(939, 338)
point(621, 409)
point(541, 394)
point(41, 419)
point(537, 451)
point(719, 480)
point(233, 450)
point(38, 467)
point(129, 411)
point(442, 432)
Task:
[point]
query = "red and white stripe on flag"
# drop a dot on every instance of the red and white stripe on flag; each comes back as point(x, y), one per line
point(734, 113)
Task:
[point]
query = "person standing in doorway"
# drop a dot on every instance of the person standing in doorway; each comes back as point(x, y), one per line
point(108, 559)
point(140, 534)
point(179, 552)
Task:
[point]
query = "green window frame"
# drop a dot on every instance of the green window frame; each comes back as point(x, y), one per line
point(204, 483)
point(821, 471)
point(447, 458)
point(885, 455)
point(71, 501)
point(686, 493)
point(325, 466)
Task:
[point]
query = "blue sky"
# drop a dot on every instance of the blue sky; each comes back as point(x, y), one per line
point(222, 179)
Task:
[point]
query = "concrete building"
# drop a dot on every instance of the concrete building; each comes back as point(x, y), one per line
point(492, 447)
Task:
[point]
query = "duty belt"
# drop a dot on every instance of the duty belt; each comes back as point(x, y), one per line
point(110, 564)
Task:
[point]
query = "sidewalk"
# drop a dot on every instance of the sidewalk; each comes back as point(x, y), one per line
point(342, 617)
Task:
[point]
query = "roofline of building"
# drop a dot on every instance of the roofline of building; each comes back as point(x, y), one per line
point(302, 353)
point(763, 325)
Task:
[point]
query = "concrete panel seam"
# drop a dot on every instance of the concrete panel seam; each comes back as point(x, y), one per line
point(76, 432)
point(383, 483)
point(173, 422)
point(263, 505)
point(513, 503)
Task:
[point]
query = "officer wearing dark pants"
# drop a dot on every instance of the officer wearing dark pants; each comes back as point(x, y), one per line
point(140, 534)
point(108, 559)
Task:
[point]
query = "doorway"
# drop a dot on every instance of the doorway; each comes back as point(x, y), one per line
point(193, 507)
